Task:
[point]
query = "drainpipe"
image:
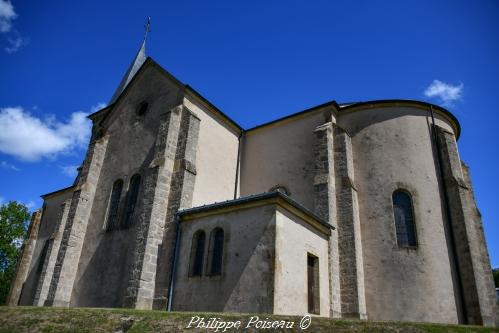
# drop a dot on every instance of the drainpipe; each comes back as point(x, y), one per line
point(174, 264)
point(452, 240)
point(238, 163)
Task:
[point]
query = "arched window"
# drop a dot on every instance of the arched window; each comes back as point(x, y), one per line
point(43, 256)
point(404, 219)
point(197, 253)
point(216, 251)
point(114, 203)
point(131, 201)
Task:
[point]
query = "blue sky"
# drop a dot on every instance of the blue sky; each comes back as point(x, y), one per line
point(255, 60)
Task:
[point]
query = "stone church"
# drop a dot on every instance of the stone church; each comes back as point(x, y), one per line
point(360, 210)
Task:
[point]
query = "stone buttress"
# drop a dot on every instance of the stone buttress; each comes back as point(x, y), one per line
point(53, 246)
point(466, 225)
point(168, 186)
point(325, 207)
point(24, 260)
point(336, 200)
point(68, 257)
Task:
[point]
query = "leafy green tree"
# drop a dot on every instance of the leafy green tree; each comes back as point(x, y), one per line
point(14, 221)
point(496, 276)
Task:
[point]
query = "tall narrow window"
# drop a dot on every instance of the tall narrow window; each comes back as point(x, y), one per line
point(404, 219)
point(114, 203)
point(131, 201)
point(216, 251)
point(313, 284)
point(43, 255)
point(197, 253)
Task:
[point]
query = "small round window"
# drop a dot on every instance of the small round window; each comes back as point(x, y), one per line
point(142, 108)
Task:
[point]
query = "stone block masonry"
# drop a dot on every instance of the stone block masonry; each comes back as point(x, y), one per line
point(51, 256)
point(472, 259)
point(325, 207)
point(353, 303)
point(181, 191)
point(25, 260)
point(163, 194)
point(66, 266)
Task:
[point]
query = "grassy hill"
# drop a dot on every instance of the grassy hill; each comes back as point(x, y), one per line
point(37, 319)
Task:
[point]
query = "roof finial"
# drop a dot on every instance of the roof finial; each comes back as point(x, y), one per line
point(147, 27)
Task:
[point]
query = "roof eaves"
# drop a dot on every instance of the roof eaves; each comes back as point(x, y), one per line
point(43, 196)
point(211, 105)
point(444, 111)
point(299, 113)
point(255, 197)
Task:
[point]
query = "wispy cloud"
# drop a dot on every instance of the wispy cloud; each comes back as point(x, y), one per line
point(7, 15)
point(30, 138)
point(15, 43)
point(97, 107)
point(30, 204)
point(14, 39)
point(8, 166)
point(447, 93)
point(70, 170)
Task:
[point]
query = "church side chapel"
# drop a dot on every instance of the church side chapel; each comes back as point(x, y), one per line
point(360, 210)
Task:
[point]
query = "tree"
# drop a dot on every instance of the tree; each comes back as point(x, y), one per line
point(14, 220)
point(496, 276)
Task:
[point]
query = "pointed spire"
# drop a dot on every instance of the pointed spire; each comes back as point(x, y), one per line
point(137, 62)
point(147, 28)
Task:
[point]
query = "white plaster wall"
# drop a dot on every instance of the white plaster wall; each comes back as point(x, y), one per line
point(294, 239)
point(392, 149)
point(281, 154)
point(216, 158)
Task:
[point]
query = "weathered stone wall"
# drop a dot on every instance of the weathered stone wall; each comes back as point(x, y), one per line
point(325, 207)
point(108, 255)
point(48, 225)
point(151, 221)
point(353, 303)
point(392, 149)
point(247, 280)
point(68, 257)
point(488, 292)
point(181, 193)
point(294, 239)
point(53, 245)
point(18, 283)
point(472, 257)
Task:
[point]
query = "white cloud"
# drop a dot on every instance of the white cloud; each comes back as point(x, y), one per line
point(30, 204)
point(98, 107)
point(446, 92)
point(30, 138)
point(14, 39)
point(70, 170)
point(8, 166)
point(15, 43)
point(7, 14)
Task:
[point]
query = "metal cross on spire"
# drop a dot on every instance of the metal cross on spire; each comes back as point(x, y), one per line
point(147, 27)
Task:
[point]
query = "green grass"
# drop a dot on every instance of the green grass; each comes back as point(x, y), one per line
point(42, 319)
